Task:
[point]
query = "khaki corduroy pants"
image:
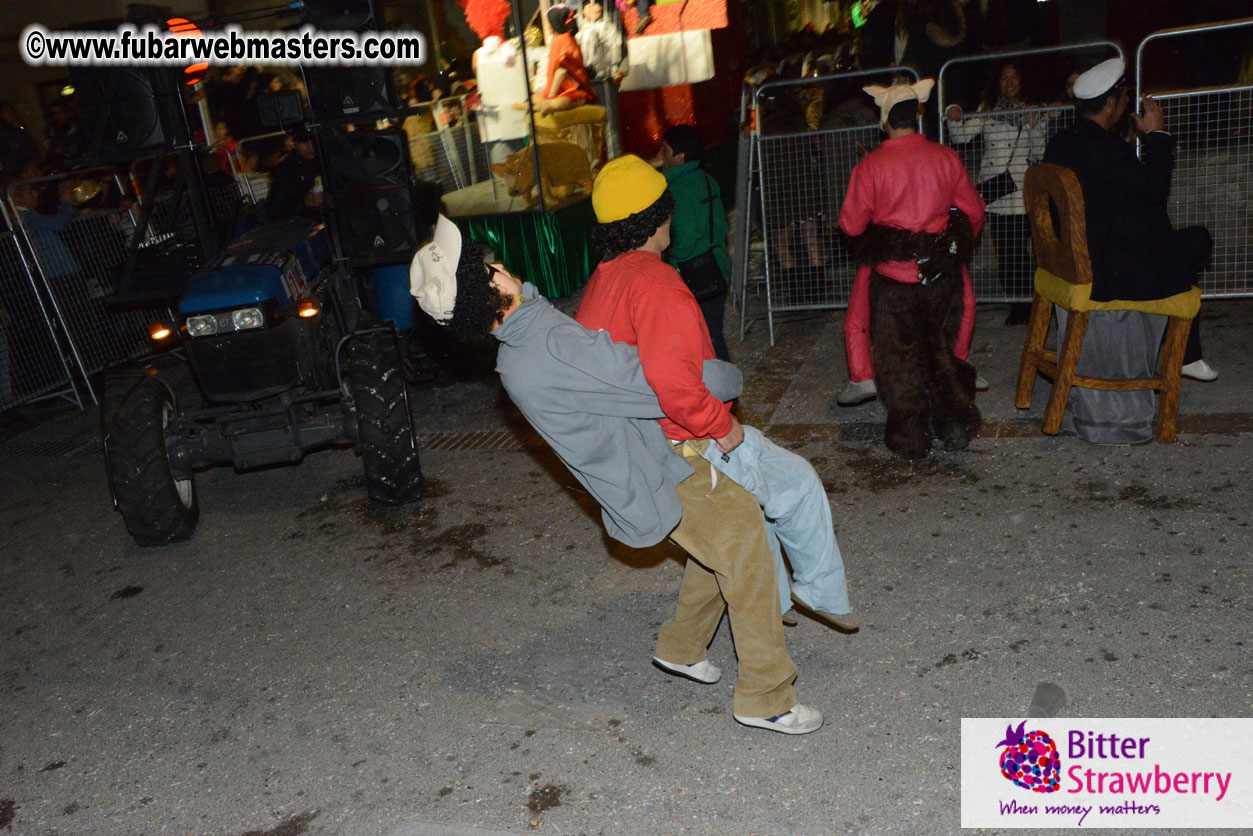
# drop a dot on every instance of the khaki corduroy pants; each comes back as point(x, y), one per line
point(729, 567)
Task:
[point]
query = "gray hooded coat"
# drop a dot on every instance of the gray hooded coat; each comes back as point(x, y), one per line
point(586, 395)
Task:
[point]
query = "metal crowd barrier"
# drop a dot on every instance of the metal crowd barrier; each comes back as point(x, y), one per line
point(802, 176)
point(1003, 267)
point(254, 186)
point(451, 154)
point(32, 366)
point(72, 259)
point(444, 147)
point(227, 195)
point(1212, 182)
point(745, 218)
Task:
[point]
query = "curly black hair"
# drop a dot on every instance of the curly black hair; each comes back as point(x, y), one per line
point(618, 237)
point(479, 306)
point(685, 140)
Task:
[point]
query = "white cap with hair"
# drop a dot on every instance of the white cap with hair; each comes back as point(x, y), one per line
point(433, 272)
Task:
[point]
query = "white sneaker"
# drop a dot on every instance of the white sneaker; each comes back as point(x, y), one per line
point(1199, 370)
point(981, 383)
point(703, 671)
point(857, 392)
point(800, 720)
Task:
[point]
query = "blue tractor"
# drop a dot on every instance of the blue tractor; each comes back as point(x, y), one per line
point(272, 332)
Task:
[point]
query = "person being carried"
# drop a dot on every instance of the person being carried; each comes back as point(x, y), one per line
point(641, 301)
point(589, 399)
point(1136, 254)
point(911, 214)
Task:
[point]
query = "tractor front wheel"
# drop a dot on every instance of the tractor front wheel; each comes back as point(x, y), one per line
point(157, 506)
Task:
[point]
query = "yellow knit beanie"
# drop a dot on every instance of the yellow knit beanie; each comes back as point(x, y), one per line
point(625, 186)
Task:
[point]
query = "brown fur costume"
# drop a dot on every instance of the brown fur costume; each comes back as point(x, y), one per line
point(913, 328)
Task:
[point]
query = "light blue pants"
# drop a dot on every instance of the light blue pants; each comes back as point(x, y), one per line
point(798, 518)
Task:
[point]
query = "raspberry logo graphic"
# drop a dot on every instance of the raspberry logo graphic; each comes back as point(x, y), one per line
point(1030, 759)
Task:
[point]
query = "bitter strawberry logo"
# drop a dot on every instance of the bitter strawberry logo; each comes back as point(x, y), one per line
point(1030, 759)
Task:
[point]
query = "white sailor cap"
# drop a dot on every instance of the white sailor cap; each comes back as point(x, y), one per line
point(1100, 79)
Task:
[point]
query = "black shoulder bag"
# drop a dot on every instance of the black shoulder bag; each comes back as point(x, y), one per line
point(995, 188)
point(701, 274)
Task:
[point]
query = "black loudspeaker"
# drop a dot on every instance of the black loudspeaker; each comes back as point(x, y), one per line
point(119, 110)
point(376, 209)
point(341, 15)
point(280, 110)
point(346, 92)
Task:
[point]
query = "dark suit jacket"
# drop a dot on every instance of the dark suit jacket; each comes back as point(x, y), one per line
point(1136, 254)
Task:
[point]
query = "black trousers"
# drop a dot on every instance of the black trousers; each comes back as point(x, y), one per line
point(1197, 245)
point(714, 309)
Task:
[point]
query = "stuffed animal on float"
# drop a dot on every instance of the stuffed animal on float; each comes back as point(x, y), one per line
point(565, 174)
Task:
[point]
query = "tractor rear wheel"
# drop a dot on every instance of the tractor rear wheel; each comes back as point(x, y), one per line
point(386, 439)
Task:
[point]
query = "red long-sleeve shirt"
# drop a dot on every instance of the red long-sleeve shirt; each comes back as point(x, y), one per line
point(908, 183)
point(641, 301)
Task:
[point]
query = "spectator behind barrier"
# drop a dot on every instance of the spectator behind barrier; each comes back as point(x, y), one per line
point(1011, 143)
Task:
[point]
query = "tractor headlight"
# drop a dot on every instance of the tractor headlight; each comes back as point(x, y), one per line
point(205, 325)
point(247, 318)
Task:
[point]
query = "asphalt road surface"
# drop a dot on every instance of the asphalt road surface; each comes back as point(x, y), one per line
point(479, 663)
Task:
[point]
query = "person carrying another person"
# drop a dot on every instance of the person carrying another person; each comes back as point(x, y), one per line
point(590, 400)
point(912, 214)
point(698, 230)
point(641, 301)
point(1136, 254)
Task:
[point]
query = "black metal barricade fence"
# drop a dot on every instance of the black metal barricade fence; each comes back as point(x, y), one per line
point(32, 366)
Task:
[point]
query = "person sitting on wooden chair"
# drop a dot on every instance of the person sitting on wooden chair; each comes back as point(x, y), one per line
point(1136, 254)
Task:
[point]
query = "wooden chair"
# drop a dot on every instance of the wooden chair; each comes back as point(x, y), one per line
point(1064, 277)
